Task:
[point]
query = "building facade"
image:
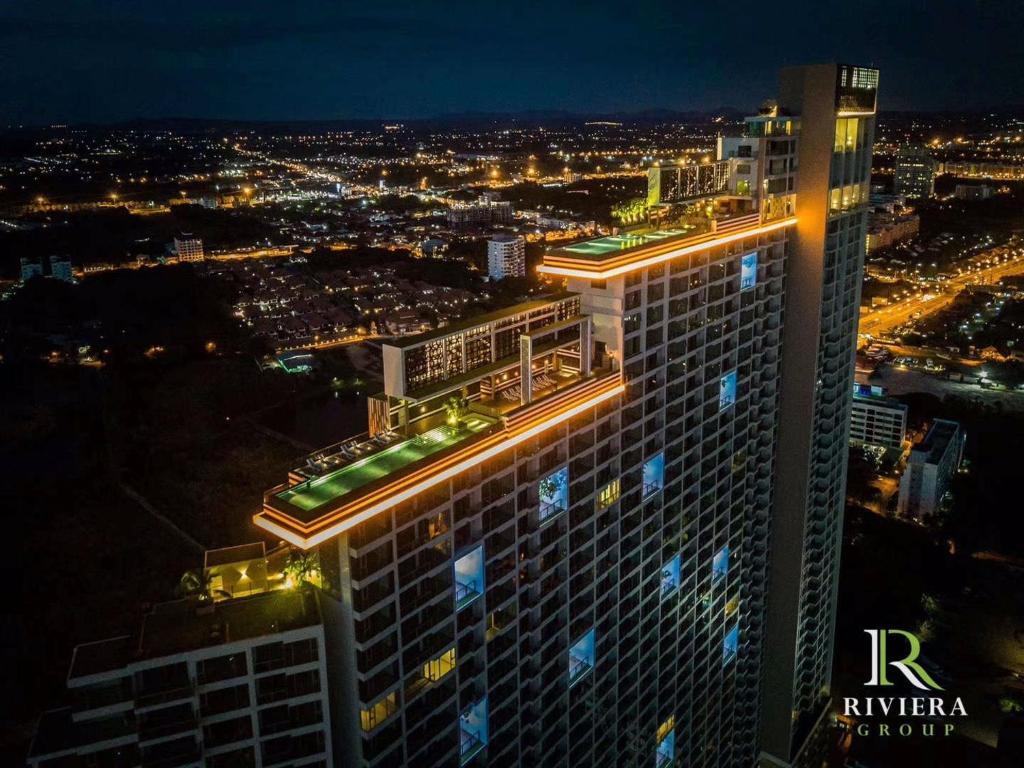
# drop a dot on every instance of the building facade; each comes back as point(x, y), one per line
point(877, 421)
point(60, 269)
point(555, 544)
point(30, 268)
point(887, 229)
point(227, 684)
point(930, 469)
point(188, 247)
point(914, 172)
point(836, 106)
point(506, 256)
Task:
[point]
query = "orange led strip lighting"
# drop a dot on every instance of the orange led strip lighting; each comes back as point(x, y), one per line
point(309, 535)
point(565, 266)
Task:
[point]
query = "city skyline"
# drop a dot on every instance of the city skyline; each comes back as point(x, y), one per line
point(211, 63)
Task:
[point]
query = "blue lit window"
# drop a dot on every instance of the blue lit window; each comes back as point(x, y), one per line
point(554, 493)
point(748, 271)
point(720, 565)
point(469, 577)
point(666, 752)
point(581, 657)
point(653, 475)
point(473, 730)
point(670, 577)
point(727, 391)
point(731, 644)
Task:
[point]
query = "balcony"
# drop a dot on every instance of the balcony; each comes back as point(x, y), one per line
point(469, 577)
point(473, 730)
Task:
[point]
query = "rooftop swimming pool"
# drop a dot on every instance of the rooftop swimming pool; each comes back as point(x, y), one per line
point(333, 485)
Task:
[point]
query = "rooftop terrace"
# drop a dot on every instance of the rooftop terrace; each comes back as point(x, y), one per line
point(606, 257)
point(600, 248)
point(318, 491)
point(317, 509)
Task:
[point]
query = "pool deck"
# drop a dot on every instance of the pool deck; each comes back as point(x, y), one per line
point(316, 510)
point(318, 491)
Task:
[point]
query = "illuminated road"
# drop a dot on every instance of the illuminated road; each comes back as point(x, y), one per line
point(886, 319)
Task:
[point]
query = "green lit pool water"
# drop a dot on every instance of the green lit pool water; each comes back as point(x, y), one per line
point(320, 490)
point(602, 246)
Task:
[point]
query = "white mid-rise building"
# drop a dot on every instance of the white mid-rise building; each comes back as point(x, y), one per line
point(876, 420)
point(929, 472)
point(506, 257)
point(221, 682)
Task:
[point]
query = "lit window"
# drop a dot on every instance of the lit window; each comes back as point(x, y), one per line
point(379, 712)
point(609, 494)
point(653, 475)
point(748, 271)
point(554, 493)
point(469, 577)
point(727, 391)
point(731, 644)
point(670, 577)
point(666, 740)
point(581, 657)
point(720, 565)
point(472, 730)
point(437, 668)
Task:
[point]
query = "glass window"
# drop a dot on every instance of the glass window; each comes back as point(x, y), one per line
point(731, 644)
point(727, 390)
point(581, 656)
point(554, 493)
point(609, 494)
point(720, 565)
point(469, 577)
point(437, 668)
point(670, 577)
point(653, 475)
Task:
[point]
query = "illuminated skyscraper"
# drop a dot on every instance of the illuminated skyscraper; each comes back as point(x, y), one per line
point(914, 172)
point(602, 528)
point(836, 105)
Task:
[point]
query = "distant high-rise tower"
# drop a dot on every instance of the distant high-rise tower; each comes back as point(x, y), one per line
point(188, 247)
point(836, 105)
point(30, 268)
point(914, 172)
point(506, 257)
point(60, 269)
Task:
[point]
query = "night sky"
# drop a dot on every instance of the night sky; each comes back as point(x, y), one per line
point(110, 60)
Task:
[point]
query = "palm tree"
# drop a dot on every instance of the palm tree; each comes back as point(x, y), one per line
point(302, 568)
point(455, 408)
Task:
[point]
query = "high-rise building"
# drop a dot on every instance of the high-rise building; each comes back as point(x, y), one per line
point(30, 268)
point(506, 256)
point(929, 472)
point(914, 171)
point(60, 269)
point(836, 109)
point(553, 545)
point(189, 247)
point(220, 682)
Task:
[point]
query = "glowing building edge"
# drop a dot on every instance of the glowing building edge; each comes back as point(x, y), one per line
point(642, 262)
point(348, 522)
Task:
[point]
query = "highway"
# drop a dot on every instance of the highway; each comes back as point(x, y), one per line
point(886, 319)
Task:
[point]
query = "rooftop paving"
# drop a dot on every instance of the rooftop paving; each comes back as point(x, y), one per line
point(320, 490)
